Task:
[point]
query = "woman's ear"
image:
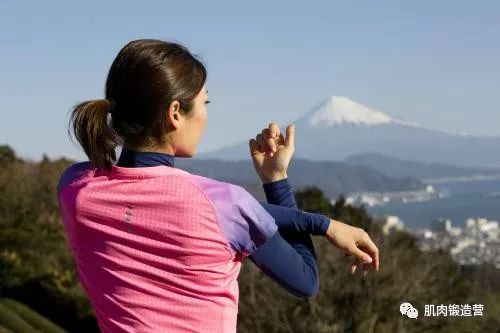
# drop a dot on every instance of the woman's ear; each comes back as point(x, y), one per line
point(174, 115)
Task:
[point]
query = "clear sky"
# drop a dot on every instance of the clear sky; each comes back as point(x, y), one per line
point(436, 63)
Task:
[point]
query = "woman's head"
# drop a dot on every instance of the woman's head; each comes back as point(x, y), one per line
point(156, 93)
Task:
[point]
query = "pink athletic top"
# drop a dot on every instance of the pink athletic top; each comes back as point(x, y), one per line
point(158, 249)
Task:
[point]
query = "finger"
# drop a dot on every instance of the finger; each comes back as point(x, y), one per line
point(371, 248)
point(354, 265)
point(254, 147)
point(281, 140)
point(270, 143)
point(290, 136)
point(274, 130)
point(362, 256)
point(374, 257)
point(365, 268)
point(260, 140)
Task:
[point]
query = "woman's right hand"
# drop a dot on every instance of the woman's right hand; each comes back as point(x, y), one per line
point(354, 241)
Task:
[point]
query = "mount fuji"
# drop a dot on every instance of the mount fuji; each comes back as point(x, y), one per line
point(339, 127)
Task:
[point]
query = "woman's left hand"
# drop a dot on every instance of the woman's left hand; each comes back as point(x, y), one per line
point(271, 152)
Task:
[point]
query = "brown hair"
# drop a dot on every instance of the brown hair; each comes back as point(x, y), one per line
point(145, 77)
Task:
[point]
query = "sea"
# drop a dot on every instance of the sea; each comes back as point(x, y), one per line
point(467, 198)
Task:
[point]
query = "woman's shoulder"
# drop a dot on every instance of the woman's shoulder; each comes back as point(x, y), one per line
point(72, 173)
point(221, 192)
point(210, 183)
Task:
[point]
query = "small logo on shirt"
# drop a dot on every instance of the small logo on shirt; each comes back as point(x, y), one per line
point(128, 217)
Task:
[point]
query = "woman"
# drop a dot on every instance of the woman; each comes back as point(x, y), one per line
point(158, 249)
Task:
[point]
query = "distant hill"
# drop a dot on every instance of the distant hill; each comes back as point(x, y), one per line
point(333, 178)
point(340, 127)
point(396, 167)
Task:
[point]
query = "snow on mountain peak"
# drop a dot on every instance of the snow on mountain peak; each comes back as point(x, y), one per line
point(338, 110)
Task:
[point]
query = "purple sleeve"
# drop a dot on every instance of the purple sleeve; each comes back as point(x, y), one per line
point(244, 222)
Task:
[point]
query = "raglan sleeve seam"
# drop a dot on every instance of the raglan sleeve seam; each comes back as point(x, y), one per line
point(233, 253)
point(267, 234)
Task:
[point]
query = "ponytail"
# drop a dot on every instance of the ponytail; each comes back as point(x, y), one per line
point(95, 135)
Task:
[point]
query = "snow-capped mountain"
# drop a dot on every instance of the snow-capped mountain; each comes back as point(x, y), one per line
point(339, 110)
point(339, 127)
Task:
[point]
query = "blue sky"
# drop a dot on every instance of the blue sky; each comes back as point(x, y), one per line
point(433, 63)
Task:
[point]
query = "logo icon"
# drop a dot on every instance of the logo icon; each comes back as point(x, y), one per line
point(408, 310)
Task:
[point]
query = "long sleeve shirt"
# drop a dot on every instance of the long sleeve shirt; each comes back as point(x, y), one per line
point(159, 248)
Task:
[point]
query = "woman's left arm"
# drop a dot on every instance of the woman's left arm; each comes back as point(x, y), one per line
point(291, 248)
point(271, 154)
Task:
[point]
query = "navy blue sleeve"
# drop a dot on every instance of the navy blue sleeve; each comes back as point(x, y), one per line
point(298, 221)
point(291, 263)
point(282, 206)
point(289, 257)
point(280, 193)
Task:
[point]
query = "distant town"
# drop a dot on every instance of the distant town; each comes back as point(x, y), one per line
point(476, 243)
point(372, 199)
